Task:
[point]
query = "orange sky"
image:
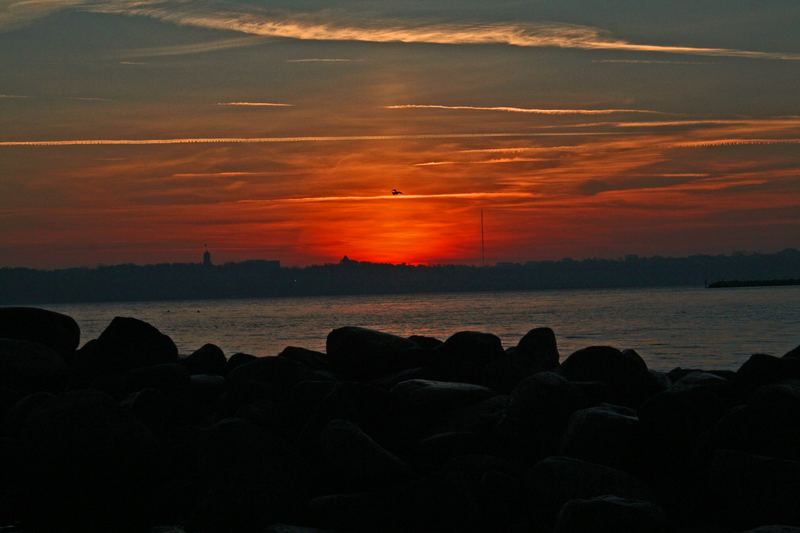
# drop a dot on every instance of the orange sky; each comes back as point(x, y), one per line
point(115, 149)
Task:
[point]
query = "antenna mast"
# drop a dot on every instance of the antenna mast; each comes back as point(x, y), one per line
point(483, 245)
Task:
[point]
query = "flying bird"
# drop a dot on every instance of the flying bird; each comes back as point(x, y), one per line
point(395, 192)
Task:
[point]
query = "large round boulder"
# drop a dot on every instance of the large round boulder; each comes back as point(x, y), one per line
point(89, 463)
point(435, 397)
point(625, 372)
point(355, 460)
point(611, 514)
point(604, 434)
point(762, 369)
point(366, 353)
point(555, 481)
point(28, 367)
point(537, 414)
point(56, 331)
point(209, 359)
point(747, 490)
point(125, 344)
point(537, 351)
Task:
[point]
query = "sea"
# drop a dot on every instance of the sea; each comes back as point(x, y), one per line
point(669, 327)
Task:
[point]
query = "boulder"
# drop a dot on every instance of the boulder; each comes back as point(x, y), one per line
point(555, 481)
point(54, 330)
point(747, 490)
point(426, 343)
point(464, 357)
point(365, 353)
point(537, 351)
point(761, 369)
point(128, 343)
point(168, 378)
point(697, 379)
point(793, 353)
point(210, 359)
point(625, 372)
point(673, 424)
point(355, 460)
point(28, 367)
point(90, 463)
point(270, 378)
point(604, 434)
point(769, 424)
point(611, 514)
point(435, 397)
point(537, 414)
point(238, 359)
point(309, 358)
point(774, 529)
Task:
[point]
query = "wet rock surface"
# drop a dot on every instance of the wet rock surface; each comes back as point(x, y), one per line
point(386, 433)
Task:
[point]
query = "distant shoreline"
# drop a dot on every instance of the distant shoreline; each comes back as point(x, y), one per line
point(754, 283)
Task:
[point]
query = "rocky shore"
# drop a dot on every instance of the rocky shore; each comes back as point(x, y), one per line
point(384, 433)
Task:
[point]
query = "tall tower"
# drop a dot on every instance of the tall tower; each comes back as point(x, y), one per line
point(207, 257)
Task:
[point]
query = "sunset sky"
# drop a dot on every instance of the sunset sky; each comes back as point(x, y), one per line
point(137, 130)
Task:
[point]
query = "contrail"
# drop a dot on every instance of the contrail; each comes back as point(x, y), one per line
point(270, 140)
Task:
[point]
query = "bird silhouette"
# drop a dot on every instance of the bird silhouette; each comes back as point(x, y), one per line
point(395, 192)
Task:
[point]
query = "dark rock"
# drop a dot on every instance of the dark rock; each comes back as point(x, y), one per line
point(749, 490)
point(28, 367)
point(605, 434)
point(537, 351)
point(127, 343)
point(698, 379)
point(466, 354)
point(210, 359)
point(309, 358)
point(769, 424)
point(426, 343)
point(152, 408)
point(774, 529)
point(269, 378)
point(238, 359)
point(287, 528)
point(439, 448)
point(355, 460)
point(255, 477)
point(168, 378)
point(673, 423)
point(625, 372)
point(365, 353)
point(54, 330)
point(90, 463)
point(763, 369)
point(537, 414)
point(793, 353)
point(556, 480)
point(611, 514)
point(438, 396)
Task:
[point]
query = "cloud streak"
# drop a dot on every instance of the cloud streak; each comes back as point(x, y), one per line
point(270, 140)
point(316, 28)
point(404, 197)
point(254, 104)
point(720, 143)
point(526, 110)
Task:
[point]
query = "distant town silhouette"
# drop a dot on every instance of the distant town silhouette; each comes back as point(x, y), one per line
point(258, 278)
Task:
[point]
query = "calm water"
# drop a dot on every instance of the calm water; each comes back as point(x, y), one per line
point(668, 327)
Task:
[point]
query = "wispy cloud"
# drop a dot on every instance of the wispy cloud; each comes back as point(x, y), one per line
point(88, 98)
point(500, 161)
point(649, 62)
point(402, 197)
point(194, 48)
point(527, 110)
point(254, 104)
point(718, 143)
point(269, 140)
point(12, 96)
point(326, 28)
point(324, 60)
